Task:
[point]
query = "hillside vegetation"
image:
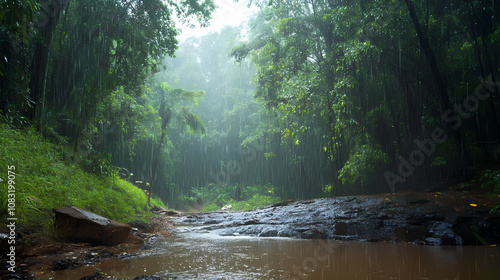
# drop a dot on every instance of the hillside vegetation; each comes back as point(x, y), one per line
point(48, 176)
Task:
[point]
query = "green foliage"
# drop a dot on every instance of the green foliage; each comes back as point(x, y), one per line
point(214, 197)
point(16, 29)
point(45, 181)
point(494, 209)
point(327, 190)
point(344, 71)
point(363, 165)
point(211, 207)
point(490, 180)
point(256, 201)
point(326, 75)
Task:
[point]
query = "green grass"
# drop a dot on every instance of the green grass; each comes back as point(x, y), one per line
point(46, 180)
point(241, 198)
point(255, 202)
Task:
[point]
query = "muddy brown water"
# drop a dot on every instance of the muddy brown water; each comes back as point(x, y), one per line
point(203, 255)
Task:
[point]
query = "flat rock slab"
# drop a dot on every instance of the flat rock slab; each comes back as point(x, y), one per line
point(79, 225)
point(442, 218)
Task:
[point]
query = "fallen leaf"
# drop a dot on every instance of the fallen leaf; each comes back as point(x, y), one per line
point(473, 205)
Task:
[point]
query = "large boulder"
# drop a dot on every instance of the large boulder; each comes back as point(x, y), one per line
point(79, 225)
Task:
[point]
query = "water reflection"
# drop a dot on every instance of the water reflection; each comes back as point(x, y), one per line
point(193, 255)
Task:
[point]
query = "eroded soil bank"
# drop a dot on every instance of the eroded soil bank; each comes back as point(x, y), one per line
point(440, 218)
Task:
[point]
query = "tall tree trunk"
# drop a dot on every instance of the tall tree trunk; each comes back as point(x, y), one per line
point(411, 106)
point(473, 23)
point(431, 58)
point(440, 83)
point(50, 14)
point(165, 114)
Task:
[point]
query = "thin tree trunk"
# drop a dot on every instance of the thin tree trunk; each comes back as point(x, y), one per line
point(154, 168)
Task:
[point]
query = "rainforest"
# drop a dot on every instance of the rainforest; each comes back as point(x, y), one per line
point(362, 124)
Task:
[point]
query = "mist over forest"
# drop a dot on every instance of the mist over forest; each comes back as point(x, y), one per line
point(304, 99)
point(327, 98)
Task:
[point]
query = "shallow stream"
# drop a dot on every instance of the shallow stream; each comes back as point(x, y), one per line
point(195, 254)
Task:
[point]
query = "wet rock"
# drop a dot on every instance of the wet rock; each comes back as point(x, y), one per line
point(146, 246)
point(341, 228)
point(212, 227)
point(162, 211)
point(142, 226)
point(444, 232)
point(432, 241)
point(80, 225)
point(313, 233)
point(156, 209)
point(418, 202)
point(65, 264)
point(251, 222)
point(420, 218)
point(478, 232)
point(211, 222)
point(102, 254)
point(4, 243)
point(15, 276)
point(133, 238)
point(148, 277)
point(172, 213)
point(269, 233)
point(283, 203)
point(287, 233)
point(492, 230)
point(95, 276)
point(410, 233)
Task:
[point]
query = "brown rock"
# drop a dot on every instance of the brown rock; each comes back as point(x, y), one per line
point(133, 239)
point(80, 225)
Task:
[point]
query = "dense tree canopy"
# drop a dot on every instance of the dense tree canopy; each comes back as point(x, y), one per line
point(307, 98)
point(380, 79)
point(83, 50)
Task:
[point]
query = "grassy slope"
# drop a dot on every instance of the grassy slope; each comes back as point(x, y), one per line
point(44, 181)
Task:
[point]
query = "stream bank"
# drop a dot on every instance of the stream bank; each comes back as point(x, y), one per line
point(41, 259)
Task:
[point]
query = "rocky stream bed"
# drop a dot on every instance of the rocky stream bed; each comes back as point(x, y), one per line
point(440, 218)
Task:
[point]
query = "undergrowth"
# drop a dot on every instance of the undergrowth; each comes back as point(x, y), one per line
point(490, 180)
point(214, 196)
point(255, 202)
point(46, 179)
